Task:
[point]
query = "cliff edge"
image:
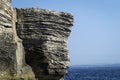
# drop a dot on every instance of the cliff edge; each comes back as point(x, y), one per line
point(33, 43)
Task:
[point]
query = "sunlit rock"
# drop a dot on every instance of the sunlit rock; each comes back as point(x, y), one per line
point(33, 43)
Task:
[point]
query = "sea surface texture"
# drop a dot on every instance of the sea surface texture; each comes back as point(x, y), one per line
point(93, 73)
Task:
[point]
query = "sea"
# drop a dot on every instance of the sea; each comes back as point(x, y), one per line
point(93, 73)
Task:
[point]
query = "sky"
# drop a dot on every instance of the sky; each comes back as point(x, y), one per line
point(95, 36)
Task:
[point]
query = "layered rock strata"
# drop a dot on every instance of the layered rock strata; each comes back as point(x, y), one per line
point(33, 41)
point(7, 43)
point(44, 34)
point(12, 60)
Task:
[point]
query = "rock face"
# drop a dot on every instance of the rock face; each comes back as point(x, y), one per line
point(44, 34)
point(7, 43)
point(33, 41)
point(12, 60)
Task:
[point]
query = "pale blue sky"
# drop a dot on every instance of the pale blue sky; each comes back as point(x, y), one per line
point(95, 37)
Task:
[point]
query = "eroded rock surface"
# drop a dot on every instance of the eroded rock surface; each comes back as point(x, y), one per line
point(33, 41)
point(12, 60)
point(45, 34)
point(7, 43)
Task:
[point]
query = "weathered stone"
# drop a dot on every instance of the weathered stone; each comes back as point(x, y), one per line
point(44, 34)
point(7, 43)
point(12, 58)
point(33, 43)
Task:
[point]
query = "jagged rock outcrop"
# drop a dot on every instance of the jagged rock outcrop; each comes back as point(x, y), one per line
point(33, 41)
point(44, 34)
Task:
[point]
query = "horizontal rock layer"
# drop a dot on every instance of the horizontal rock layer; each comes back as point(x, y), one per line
point(5, 13)
point(44, 34)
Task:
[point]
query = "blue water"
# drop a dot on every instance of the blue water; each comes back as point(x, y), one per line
point(93, 73)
